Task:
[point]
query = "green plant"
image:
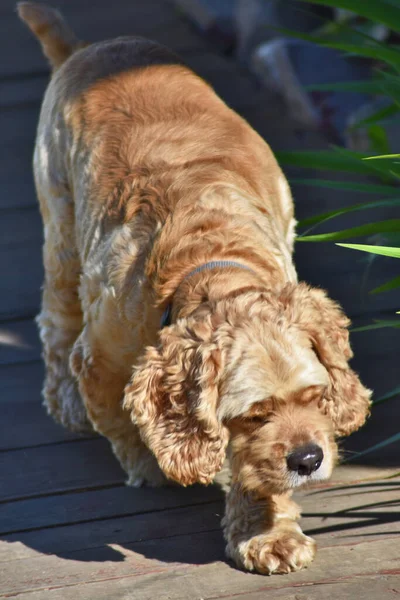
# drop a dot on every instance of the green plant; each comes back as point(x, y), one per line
point(356, 40)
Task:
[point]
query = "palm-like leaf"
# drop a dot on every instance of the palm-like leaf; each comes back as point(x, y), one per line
point(386, 12)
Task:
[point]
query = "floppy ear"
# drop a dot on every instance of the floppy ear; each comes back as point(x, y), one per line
point(346, 400)
point(173, 398)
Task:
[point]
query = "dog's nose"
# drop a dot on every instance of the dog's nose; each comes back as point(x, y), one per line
point(306, 459)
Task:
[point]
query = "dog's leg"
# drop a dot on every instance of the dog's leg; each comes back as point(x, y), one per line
point(60, 319)
point(102, 388)
point(263, 534)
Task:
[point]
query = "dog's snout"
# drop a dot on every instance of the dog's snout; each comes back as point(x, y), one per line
point(306, 459)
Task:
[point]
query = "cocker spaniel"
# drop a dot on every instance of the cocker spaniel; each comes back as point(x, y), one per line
point(172, 320)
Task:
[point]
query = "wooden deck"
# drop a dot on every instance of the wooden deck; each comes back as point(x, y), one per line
point(69, 527)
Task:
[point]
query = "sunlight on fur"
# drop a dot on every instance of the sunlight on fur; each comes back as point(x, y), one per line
point(157, 199)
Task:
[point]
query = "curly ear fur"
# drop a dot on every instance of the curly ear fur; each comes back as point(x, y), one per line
point(173, 397)
point(346, 401)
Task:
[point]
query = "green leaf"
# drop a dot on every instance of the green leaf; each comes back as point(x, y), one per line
point(391, 86)
point(386, 287)
point(362, 87)
point(391, 239)
point(376, 325)
point(378, 138)
point(326, 160)
point(380, 11)
point(381, 250)
point(387, 396)
point(391, 440)
point(385, 165)
point(365, 188)
point(383, 157)
point(342, 211)
point(378, 116)
point(367, 229)
point(386, 84)
point(339, 159)
point(375, 51)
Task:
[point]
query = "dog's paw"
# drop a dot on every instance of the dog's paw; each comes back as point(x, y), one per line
point(138, 481)
point(146, 474)
point(275, 553)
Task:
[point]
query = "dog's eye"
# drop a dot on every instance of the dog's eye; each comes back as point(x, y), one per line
point(257, 420)
point(259, 412)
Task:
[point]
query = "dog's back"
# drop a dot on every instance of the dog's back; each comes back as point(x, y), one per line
point(129, 105)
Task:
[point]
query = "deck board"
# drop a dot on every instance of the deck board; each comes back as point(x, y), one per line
point(43, 470)
point(19, 341)
point(179, 566)
point(69, 527)
point(366, 586)
point(118, 502)
point(24, 421)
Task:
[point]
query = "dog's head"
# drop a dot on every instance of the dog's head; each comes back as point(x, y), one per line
point(267, 372)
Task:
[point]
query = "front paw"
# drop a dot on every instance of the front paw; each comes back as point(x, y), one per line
point(150, 480)
point(275, 552)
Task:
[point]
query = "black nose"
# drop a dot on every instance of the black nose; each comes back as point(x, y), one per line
point(306, 459)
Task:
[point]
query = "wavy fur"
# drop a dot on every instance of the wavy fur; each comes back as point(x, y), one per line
point(143, 174)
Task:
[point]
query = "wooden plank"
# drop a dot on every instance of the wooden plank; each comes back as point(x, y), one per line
point(18, 129)
point(20, 285)
point(20, 246)
point(18, 194)
point(25, 421)
point(334, 516)
point(19, 342)
point(89, 506)
point(20, 226)
point(344, 514)
point(380, 587)
point(21, 384)
point(104, 562)
point(164, 515)
point(169, 568)
point(85, 464)
point(343, 509)
point(19, 92)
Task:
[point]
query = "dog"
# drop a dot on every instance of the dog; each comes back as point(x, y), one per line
point(172, 320)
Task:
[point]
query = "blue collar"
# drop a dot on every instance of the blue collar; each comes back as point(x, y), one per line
point(214, 264)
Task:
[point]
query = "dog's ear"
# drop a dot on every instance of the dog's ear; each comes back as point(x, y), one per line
point(173, 398)
point(346, 400)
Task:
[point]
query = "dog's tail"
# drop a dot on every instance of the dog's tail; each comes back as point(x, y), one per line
point(57, 40)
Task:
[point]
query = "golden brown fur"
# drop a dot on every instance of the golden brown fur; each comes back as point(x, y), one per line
point(144, 174)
